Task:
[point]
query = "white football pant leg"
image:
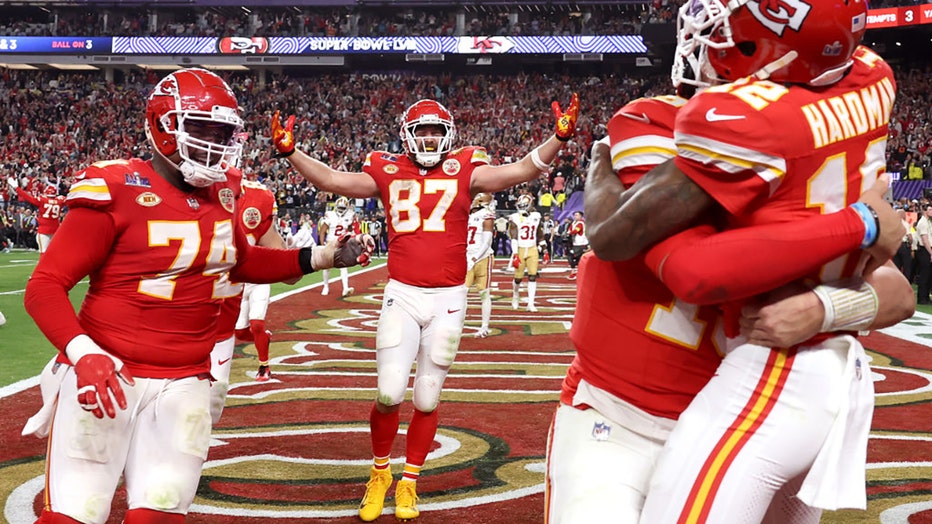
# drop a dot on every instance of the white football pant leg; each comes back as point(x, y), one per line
point(440, 342)
point(747, 461)
point(397, 340)
point(172, 438)
point(221, 361)
point(596, 467)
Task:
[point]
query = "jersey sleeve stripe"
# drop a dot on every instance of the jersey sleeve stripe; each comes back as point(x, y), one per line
point(649, 150)
point(90, 189)
point(730, 158)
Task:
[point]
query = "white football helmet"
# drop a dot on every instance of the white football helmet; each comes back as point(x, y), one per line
point(524, 204)
point(341, 206)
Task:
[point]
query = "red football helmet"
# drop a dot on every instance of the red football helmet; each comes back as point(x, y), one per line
point(427, 113)
point(792, 41)
point(189, 99)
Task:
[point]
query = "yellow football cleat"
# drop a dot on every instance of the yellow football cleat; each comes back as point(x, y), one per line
point(372, 502)
point(406, 500)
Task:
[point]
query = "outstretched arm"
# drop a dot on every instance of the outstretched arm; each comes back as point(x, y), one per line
point(316, 172)
point(702, 266)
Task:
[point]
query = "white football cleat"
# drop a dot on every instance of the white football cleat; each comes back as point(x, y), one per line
point(325, 291)
point(482, 333)
point(348, 291)
point(532, 308)
point(514, 302)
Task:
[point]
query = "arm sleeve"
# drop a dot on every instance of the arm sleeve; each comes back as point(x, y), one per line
point(701, 266)
point(74, 255)
point(26, 197)
point(264, 265)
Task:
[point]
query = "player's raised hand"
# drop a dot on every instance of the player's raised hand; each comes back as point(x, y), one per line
point(13, 183)
point(283, 137)
point(98, 376)
point(565, 127)
point(890, 228)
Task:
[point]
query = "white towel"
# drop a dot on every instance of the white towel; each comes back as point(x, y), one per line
point(49, 383)
point(837, 478)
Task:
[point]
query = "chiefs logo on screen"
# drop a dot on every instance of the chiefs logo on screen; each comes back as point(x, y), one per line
point(241, 45)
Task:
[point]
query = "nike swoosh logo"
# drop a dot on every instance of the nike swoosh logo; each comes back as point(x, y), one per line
point(222, 362)
point(640, 118)
point(712, 116)
point(451, 311)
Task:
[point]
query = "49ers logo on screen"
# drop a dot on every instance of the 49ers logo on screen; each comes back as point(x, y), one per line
point(241, 45)
point(777, 15)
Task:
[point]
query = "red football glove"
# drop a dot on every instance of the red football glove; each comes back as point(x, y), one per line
point(515, 261)
point(283, 137)
point(97, 372)
point(565, 128)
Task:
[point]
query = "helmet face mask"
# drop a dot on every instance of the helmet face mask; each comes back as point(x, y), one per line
point(429, 148)
point(193, 114)
point(790, 41)
point(524, 204)
point(341, 206)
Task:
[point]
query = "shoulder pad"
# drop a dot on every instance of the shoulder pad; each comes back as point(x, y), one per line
point(93, 186)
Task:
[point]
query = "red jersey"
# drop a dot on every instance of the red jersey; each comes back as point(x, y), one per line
point(49, 210)
point(427, 211)
point(633, 338)
point(157, 260)
point(256, 210)
point(730, 141)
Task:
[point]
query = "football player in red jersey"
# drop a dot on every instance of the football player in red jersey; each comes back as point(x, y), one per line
point(614, 419)
point(770, 417)
point(427, 194)
point(49, 207)
point(136, 405)
point(243, 316)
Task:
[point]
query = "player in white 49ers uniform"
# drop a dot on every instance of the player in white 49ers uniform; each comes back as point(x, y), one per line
point(524, 229)
point(336, 223)
point(134, 384)
point(479, 257)
point(767, 418)
point(427, 194)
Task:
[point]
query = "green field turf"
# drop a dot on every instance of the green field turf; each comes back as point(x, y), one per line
point(23, 348)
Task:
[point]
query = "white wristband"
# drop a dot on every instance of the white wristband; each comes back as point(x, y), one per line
point(850, 305)
point(514, 247)
point(535, 157)
point(81, 346)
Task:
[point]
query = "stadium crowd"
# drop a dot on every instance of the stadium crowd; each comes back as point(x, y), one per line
point(479, 20)
point(52, 122)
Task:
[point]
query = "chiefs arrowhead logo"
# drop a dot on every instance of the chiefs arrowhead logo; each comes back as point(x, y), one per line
point(777, 15)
